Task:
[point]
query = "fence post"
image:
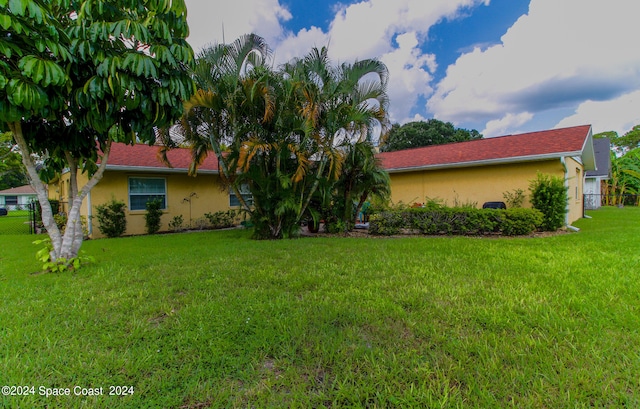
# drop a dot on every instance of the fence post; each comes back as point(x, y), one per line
point(32, 218)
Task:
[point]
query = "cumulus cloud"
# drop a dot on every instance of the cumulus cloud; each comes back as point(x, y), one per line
point(410, 75)
point(210, 21)
point(556, 56)
point(619, 114)
point(506, 124)
point(389, 30)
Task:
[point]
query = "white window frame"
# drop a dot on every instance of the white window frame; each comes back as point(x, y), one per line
point(146, 194)
point(246, 194)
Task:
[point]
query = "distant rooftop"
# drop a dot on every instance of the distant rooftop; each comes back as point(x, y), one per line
point(20, 190)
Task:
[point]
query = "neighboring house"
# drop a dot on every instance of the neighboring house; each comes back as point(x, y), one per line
point(135, 174)
point(594, 179)
point(17, 197)
point(483, 170)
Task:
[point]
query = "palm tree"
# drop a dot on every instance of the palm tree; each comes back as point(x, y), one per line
point(625, 178)
point(362, 176)
point(341, 105)
point(280, 132)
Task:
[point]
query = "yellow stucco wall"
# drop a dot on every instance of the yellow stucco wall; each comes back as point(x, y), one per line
point(482, 184)
point(115, 184)
point(575, 184)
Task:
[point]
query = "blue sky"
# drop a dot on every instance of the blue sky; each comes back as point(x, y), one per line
point(498, 66)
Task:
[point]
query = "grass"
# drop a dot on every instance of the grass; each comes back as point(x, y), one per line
point(15, 222)
point(214, 319)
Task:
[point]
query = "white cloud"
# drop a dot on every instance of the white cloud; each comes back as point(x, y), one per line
point(207, 18)
point(410, 75)
point(392, 32)
point(504, 125)
point(299, 45)
point(619, 114)
point(557, 56)
point(389, 30)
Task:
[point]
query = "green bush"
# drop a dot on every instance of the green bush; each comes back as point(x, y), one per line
point(334, 225)
point(112, 219)
point(455, 221)
point(386, 223)
point(514, 198)
point(518, 221)
point(549, 195)
point(222, 219)
point(176, 223)
point(153, 215)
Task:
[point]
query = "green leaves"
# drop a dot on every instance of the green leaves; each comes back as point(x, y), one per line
point(41, 71)
point(18, 7)
point(140, 64)
point(26, 94)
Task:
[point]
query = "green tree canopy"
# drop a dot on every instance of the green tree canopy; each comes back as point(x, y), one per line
point(421, 133)
point(629, 141)
point(76, 75)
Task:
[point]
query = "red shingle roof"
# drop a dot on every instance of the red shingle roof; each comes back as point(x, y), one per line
point(145, 157)
point(512, 148)
point(524, 147)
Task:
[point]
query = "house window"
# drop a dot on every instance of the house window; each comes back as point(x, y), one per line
point(11, 200)
point(246, 195)
point(143, 190)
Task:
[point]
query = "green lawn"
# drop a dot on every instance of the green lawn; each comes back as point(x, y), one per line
point(16, 222)
point(214, 319)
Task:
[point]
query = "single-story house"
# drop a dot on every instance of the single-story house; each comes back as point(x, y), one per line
point(483, 170)
point(135, 174)
point(595, 180)
point(17, 197)
point(476, 171)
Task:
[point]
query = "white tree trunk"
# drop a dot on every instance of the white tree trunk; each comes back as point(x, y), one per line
point(40, 188)
point(73, 235)
point(68, 245)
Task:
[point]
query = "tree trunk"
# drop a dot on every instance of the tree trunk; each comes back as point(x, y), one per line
point(39, 187)
point(68, 245)
point(73, 235)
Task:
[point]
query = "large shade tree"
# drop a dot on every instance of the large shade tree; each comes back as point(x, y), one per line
point(76, 76)
point(425, 133)
point(280, 132)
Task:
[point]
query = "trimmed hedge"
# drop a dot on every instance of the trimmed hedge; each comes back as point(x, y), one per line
point(456, 221)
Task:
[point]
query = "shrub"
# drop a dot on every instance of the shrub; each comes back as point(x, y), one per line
point(61, 221)
point(153, 215)
point(112, 219)
point(222, 219)
point(514, 199)
point(200, 223)
point(334, 225)
point(518, 221)
point(453, 220)
point(176, 223)
point(458, 221)
point(386, 223)
point(549, 195)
